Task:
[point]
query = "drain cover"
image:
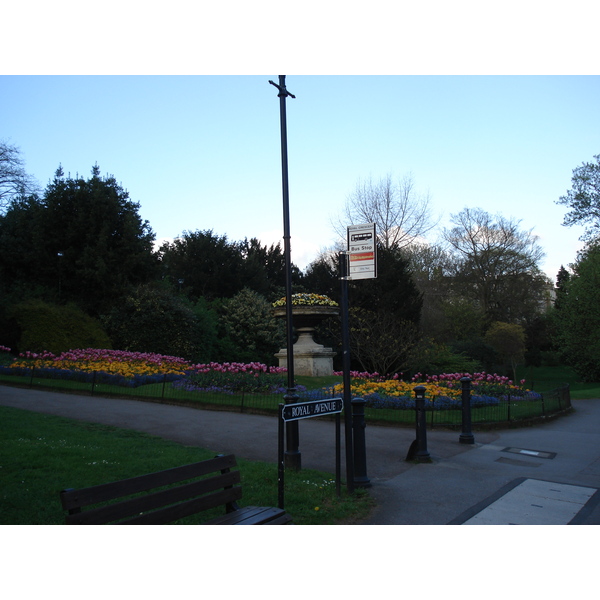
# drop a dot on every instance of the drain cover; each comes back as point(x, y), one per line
point(518, 463)
point(525, 452)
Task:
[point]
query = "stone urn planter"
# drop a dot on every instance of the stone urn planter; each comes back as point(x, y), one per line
point(310, 358)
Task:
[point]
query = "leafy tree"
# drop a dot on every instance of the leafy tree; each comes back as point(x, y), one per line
point(393, 290)
point(399, 212)
point(151, 319)
point(263, 269)
point(562, 281)
point(539, 333)
point(508, 340)
point(322, 276)
point(429, 263)
point(248, 322)
point(431, 269)
point(14, 181)
point(23, 251)
point(83, 241)
point(384, 311)
point(210, 266)
point(496, 265)
point(464, 319)
point(578, 318)
point(583, 199)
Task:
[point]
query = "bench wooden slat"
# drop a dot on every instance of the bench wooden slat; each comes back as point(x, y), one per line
point(184, 509)
point(73, 499)
point(282, 519)
point(252, 515)
point(211, 489)
point(187, 490)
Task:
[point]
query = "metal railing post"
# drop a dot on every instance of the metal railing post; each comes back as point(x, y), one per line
point(422, 454)
point(466, 437)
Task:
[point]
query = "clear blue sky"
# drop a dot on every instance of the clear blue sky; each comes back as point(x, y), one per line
point(203, 152)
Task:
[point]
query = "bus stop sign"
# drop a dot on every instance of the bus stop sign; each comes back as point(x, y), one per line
point(362, 252)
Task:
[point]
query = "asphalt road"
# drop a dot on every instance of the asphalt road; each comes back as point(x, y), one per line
point(547, 474)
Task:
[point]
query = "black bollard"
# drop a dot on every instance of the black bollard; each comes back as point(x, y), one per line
point(422, 454)
point(466, 437)
point(360, 451)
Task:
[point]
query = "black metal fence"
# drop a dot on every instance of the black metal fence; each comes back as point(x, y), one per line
point(506, 411)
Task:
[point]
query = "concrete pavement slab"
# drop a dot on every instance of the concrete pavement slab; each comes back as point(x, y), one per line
point(535, 502)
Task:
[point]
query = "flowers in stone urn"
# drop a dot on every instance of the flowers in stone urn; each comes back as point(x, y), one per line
point(306, 300)
point(308, 310)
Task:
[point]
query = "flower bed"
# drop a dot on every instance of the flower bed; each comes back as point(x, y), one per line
point(116, 367)
point(441, 391)
point(134, 369)
point(232, 378)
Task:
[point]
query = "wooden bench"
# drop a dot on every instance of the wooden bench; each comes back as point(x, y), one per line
point(193, 488)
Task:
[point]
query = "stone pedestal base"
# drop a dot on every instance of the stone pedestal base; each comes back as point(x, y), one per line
point(310, 358)
point(307, 363)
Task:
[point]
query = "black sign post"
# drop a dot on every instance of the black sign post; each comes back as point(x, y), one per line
point(359, 261)
point(343, 256)
point(291, 413)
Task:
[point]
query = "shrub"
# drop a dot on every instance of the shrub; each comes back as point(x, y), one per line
point(429, 357)
point(477, 350)
point(43, 326)
point(508, 340)
point(250, 325)
point(155, 320)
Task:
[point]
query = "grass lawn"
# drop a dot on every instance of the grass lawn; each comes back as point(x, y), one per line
point(41, 455)
point(544, 379)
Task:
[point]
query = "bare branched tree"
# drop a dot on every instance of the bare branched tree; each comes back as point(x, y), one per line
point(380, 341)
point(14, 181)
point(494, 260)
point(400, 213)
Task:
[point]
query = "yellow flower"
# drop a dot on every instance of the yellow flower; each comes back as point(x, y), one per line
point(307, 300)
point(396, 388)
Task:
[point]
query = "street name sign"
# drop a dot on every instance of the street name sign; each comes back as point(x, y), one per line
point(362, 252)
point(314, 408)
point(306, 410)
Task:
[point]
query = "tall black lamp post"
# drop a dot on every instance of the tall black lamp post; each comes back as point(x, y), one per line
point(60, 255)
point(292, 453)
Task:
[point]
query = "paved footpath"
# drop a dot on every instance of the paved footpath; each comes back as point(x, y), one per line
point(548, 474)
